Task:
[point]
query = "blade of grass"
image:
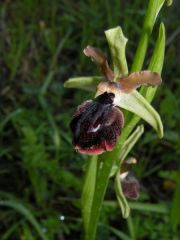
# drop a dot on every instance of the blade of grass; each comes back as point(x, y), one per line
point(148, 207)
point(9, 117)
point(175, 216)
point(11, 230)
point(118, 233)
point(26, 213)
point(140, 206)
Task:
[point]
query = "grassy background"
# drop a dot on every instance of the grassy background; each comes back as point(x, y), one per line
point(41, 46)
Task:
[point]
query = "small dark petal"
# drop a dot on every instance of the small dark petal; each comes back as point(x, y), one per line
point(96, 125)
point(130, 186)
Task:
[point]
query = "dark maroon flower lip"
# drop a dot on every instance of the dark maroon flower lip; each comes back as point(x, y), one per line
point(96, 125)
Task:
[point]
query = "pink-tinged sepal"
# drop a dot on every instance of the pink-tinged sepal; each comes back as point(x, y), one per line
point(96, 125)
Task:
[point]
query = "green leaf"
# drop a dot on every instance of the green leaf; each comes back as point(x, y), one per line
point(141, 206)
point(148, 207)
point(156, 62)
point(158, 53)
point(121, 198)
point(117, 44)
point(153, 10)
point(84, 83)
point(121, 235)
point(9, 117)
point(88, 191)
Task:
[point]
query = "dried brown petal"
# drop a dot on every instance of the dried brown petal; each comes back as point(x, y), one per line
point(98, 57)
point(136, 79)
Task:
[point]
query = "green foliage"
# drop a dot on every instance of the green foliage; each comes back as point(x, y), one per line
point(41, 46)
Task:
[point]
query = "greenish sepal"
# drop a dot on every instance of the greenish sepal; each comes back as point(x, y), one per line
point(117, 44)
point(136, 103)
point(84, 83)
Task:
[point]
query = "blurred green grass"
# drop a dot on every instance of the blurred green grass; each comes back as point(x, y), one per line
point(40, 47)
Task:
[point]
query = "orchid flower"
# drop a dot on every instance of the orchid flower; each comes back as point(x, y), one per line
point(97, 124)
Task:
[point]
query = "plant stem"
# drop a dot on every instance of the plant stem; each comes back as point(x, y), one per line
point(106, 161)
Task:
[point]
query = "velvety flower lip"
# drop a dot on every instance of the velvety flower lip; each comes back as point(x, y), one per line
point(96, 125)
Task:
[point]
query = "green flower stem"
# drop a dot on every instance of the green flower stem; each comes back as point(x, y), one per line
point(106, 161)
point(88, 190)
point(131, 228)
point(152, 12)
